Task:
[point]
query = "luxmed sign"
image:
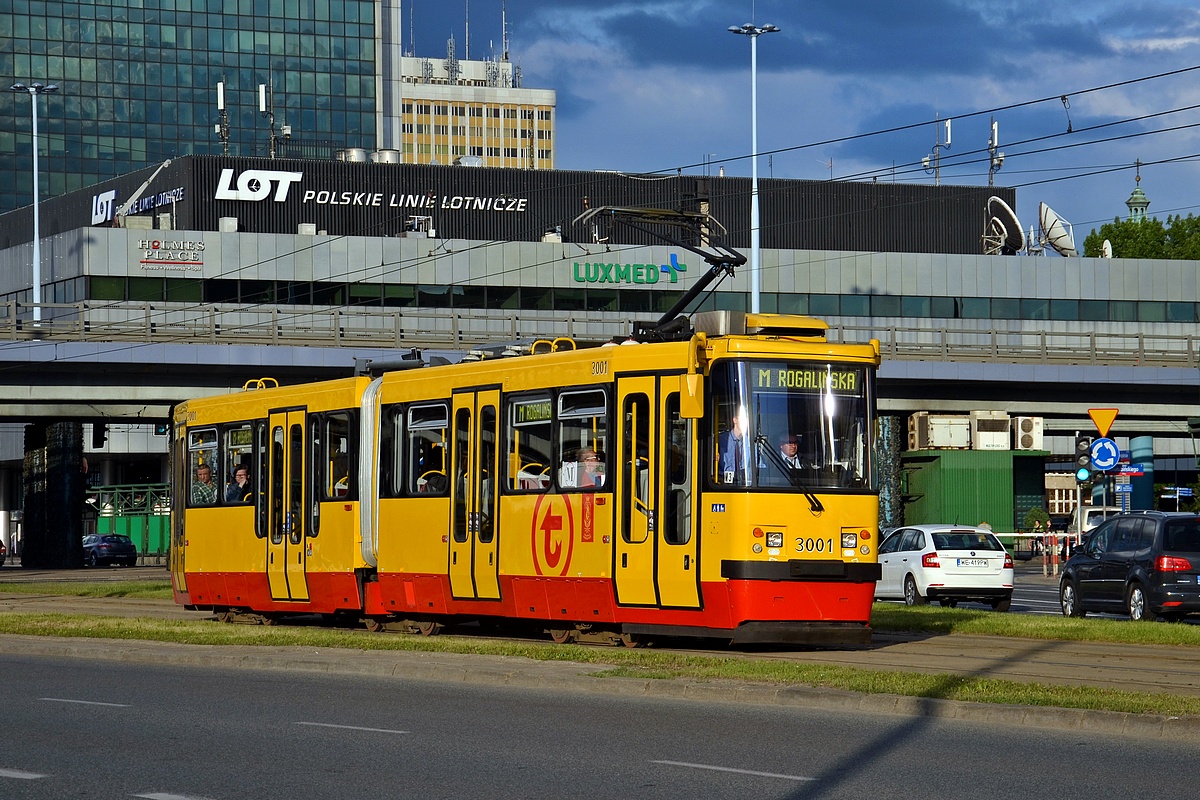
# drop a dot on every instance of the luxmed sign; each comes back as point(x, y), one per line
point(628, 273)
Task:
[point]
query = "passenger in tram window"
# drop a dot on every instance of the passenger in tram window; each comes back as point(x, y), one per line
point(591, 471)
point(204, 491)
point(732, 447)
point(239, 490)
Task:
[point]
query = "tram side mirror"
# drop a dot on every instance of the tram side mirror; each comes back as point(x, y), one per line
point(691, 400)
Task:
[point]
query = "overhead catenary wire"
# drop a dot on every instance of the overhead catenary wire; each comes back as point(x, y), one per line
point(390, 269)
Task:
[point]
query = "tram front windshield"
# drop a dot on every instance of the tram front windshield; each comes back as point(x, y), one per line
point(796, 426)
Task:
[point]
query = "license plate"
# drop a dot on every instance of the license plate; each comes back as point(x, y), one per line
point(972, 562)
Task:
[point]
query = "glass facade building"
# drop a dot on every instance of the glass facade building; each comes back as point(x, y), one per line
point(137, 83)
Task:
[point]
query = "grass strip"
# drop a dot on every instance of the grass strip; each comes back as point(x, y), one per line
point(614, 662)
point(147, 590)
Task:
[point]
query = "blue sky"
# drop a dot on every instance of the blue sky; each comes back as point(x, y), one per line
point(661, 84)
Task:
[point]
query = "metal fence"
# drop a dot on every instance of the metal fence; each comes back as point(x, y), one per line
point(186, 323)
point(140, 511)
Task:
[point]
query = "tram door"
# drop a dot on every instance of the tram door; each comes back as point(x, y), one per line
point(636, 491)
point(180, 468)
point(678, 575)
point(288, 506)
point(474, 557)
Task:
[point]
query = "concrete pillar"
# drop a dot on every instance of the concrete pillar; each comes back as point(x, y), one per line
point(1141, 451)
point(890, 444)
point(52, 531)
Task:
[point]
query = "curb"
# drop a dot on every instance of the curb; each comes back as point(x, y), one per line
point(566, 676)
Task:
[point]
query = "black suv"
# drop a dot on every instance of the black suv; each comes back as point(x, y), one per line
point(1145, 564)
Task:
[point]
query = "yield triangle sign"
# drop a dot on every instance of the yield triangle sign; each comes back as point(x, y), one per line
point(1103, 419)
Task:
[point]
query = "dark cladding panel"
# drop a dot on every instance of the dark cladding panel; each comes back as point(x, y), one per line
point(494, 204)
point(169, 191)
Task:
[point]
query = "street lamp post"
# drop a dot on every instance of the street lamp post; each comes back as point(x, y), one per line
point(754, 31)
point(34, 90)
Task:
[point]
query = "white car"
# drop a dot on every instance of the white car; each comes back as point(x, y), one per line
point(947, 563)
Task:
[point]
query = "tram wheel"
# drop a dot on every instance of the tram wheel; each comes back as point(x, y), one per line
point(632, 640)
point(426, 628)
point(374, 624)
point(562, 635)
point(227, 616)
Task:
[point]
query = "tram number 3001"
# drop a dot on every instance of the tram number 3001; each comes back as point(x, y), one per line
point(599, 367)
point(811, 545)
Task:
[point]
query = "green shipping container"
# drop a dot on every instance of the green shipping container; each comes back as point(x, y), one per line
point(967, 487)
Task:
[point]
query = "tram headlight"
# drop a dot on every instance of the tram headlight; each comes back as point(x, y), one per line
point(775, 539)
point(850, 540)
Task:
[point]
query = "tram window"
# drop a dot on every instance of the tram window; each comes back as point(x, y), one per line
point(203, 470)
point(293, 523)
point(528, 444)
point(426, 449)
point(238, 461)
point(635, 488)
point(582, 432)
point(277, 509)
point(339, 456)
point(487, 468)
point(462, 471)
point(260, 453)
point(389, 453)
point(678, 465)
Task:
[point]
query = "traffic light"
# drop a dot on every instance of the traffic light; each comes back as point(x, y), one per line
point(1083, 459)
point(99, 435)
point(162, 428)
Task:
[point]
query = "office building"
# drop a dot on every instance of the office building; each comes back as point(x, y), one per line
point(137, 84)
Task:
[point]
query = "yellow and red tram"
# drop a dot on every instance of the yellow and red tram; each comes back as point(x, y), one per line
point(627, 491)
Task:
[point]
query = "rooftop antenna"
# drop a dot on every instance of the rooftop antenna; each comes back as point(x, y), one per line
point(411, 40)
point(504, 31)
point(266, 107)
point(995, 158)
point(1002, 234)
point(936, 169)
point(467, 34)
point(222, 127)
point(1056, 231)
point(452, 67)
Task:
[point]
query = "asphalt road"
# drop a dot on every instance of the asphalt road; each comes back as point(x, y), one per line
point(82, 728)
point(1159, 669)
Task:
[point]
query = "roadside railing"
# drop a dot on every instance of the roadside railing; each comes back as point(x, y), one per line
point(431, 328)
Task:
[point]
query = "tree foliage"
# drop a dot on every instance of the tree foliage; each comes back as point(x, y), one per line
point(1179, 238)
point(1033, 515)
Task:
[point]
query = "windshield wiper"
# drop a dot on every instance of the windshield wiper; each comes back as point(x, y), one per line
point(793, 475)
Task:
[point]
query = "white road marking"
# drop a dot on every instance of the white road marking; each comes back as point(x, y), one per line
point(348, 727)
point(20, 774)
point(169, 796)
point(739, 771)
point(83, 702)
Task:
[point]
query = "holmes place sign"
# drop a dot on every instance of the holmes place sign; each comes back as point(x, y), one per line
point(166, 254)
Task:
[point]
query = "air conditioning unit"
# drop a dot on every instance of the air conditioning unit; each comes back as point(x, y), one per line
point(1027, 433)
point(990, 430)
point(938, 431)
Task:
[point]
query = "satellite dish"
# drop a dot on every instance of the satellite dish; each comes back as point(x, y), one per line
point(1002, 234)
point(1057, 231)
point(1106, 249)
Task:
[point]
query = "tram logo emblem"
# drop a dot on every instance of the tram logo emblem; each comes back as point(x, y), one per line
point(256, 184)
point(552, 535)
